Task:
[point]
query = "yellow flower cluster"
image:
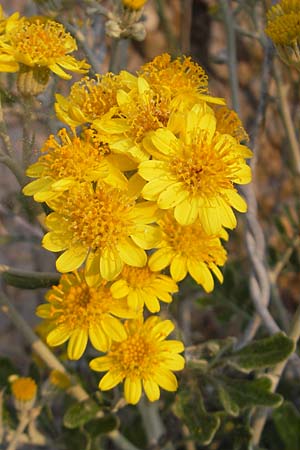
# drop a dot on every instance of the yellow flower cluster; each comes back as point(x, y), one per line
point(145, 181)
point(37, 44)
point(283, 27)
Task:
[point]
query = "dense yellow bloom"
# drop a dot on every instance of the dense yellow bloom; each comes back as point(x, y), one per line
point(189, 249)
point(139, 112)
point(79, 312)
point(140, 285)
point(181, 81)
point(144, 358)
point(102, 225)
point(283, 27)
point(89, 99)
point(67, 160)
point(197, 172)
point(39, 43)
point(133, 4)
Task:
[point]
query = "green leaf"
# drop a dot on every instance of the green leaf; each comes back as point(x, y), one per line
point(80, 413)
point(189, 406)
point(102, 425)
point(228, 404)
point(263, 353)
point(287, 423)
point(249, 393)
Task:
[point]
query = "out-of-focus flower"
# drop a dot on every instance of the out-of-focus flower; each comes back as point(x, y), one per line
point(80, 312)
point(283, 27)
point(197, 172)
point(189, 249)
point(143, 359)
point(140, 285)
point(102, 226)
point(133, 4)
point(59, 380)
point(24, 391)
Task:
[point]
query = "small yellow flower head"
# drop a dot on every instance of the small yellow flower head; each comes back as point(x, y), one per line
point(80, 312)
point(140, 285)
point(102, 226)
point(59, 380)
point(144, 358)
point(40, 43)
point(66, 160)
point(89, 99)
point(189, 249)
point(196, 172)
point(24, 391)
point(133, 4)
point(283, 27)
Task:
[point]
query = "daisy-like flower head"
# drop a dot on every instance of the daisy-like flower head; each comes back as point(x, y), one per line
point(67, 160)
point(40, 43)
point(144, 358)
point(24, 391)
point(283, 27)
point(197, 172)
point(104, 226)
point(89, 99)
point(140, 111)
point(79, 312)
point(181, 81)
point(189, 249)
point(140, 285)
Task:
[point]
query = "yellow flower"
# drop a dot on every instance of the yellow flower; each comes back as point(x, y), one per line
point(283, 27)
point(181, 81)
point(79, 312)
point(40, 43)
point(144, 357)
point(73, 159)
point(139, 112)
point(89, 99)
point(188, 249)
point(102, 225)
point(197, 172)
point(133, 4)
point(24, 391)
point(141, 285)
